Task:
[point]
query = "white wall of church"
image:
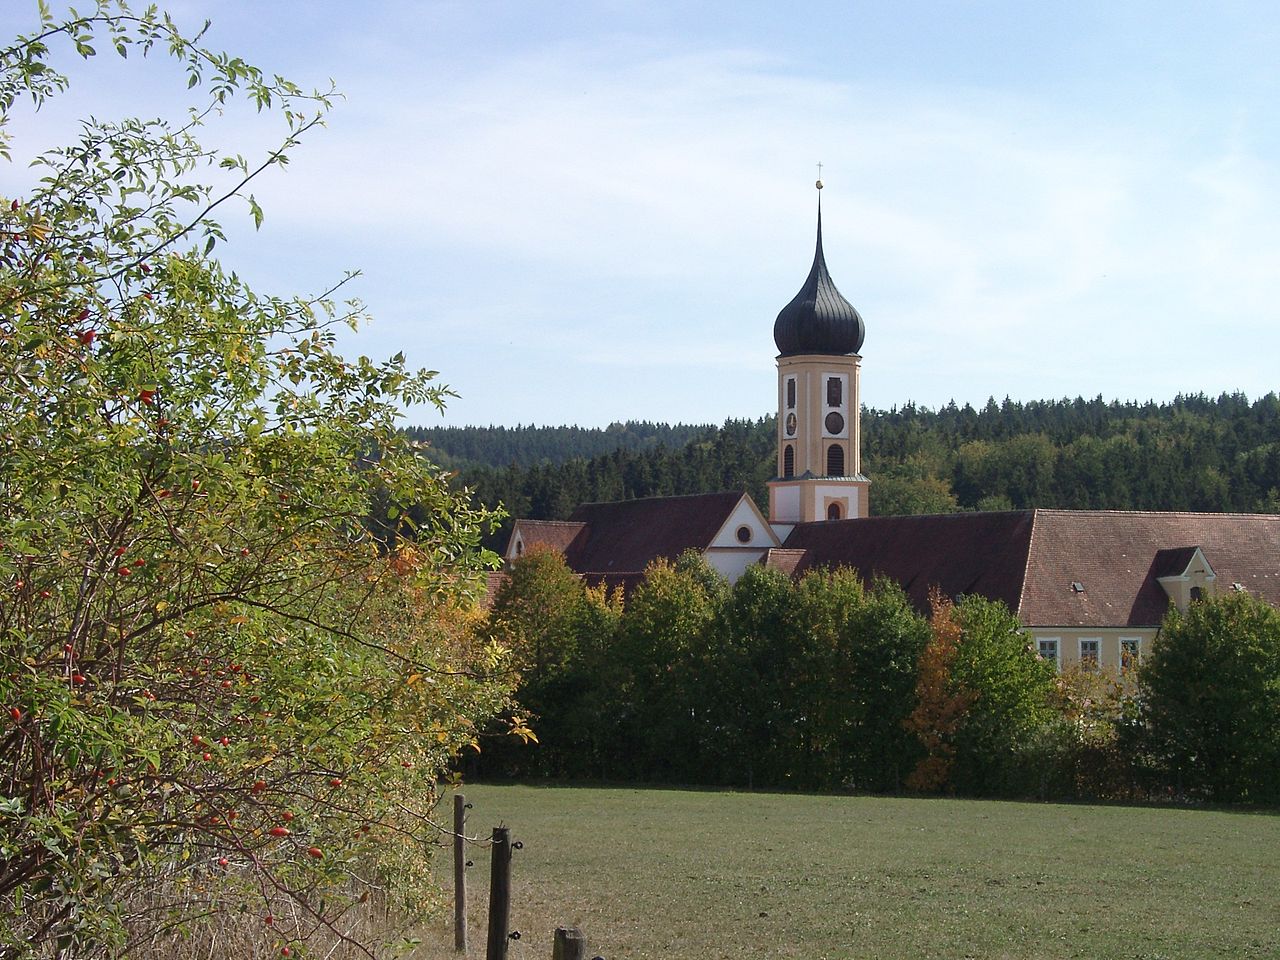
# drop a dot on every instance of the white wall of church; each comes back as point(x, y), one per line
point(744, 515)
point(731, 564)
point(785, 502)
point(825, 492)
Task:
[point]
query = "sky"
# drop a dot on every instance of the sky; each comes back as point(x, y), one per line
point(587, 211)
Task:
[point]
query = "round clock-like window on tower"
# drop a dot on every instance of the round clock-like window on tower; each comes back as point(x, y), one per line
point(791, 424)
point(834, 423)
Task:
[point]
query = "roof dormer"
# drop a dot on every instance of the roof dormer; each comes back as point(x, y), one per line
point(1185, 574)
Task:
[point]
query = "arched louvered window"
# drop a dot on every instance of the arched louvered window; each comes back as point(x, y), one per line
point(835, 460)
point(788, 461)
point(833, 511)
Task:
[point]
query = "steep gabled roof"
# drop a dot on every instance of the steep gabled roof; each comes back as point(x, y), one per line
point(1172, 562)
point(561, 535)
point(625, 536)
point(960, 553)
point(1117, 556)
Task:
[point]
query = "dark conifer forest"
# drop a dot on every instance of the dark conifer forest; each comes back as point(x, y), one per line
point(1192, 453)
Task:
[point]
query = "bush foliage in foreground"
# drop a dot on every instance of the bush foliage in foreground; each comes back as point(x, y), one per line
point(221, 695)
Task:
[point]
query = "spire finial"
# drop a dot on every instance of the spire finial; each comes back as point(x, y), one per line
point(818, 183)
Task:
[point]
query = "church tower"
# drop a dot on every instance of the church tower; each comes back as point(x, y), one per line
point(819, 471)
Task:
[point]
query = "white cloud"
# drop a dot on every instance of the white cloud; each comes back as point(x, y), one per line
point(616, 203)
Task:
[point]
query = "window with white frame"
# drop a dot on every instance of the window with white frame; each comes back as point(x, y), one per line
point(1130, 653)
point(1049, 650)
point(1090, 653)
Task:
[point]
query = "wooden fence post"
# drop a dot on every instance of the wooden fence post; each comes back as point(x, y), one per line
point(499, 895)
point(570, 944)
point(459, 873)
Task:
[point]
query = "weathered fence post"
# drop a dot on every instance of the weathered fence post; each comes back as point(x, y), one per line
point(499, 895)
point(570, 944)
point(459, 873)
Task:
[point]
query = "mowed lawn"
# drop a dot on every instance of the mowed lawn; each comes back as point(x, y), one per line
point(697, 874)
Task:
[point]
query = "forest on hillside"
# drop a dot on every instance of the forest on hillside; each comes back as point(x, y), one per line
point(1214, 454)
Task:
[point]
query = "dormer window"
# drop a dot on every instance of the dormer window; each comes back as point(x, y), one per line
point(1185, 574)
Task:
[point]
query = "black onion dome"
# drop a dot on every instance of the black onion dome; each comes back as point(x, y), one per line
point(818, 319)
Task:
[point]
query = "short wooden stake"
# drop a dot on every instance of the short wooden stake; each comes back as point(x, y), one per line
point(459, 873)
point(499, 895)
point(570, 944)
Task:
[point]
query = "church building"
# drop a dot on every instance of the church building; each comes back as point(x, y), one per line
point(1090, 586)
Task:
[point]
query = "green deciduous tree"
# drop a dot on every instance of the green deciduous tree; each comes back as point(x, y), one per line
point(1013, 698)
point(855, 675)
point(221, 693)
point(1210, 699)
point(561, 636)
point(745, 671)
point(984, 698)
point(668, 621)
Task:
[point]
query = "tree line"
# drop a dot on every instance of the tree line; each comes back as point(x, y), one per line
point(1192, 453)
point(497, 446)
point(823, 683)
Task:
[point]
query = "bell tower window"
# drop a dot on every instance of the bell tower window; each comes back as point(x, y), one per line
point(835, 460)
point(788, 461)
point(835, 392)
point(791, 393)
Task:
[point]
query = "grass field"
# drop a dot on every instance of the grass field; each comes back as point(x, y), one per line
point(684, 874)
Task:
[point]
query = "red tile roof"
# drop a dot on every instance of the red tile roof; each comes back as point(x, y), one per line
point(556, 534)
point(960, 553)
point(788, 561)
point(494, 580)
point(1030, 559)
point(625, 536)
point(1117, 557)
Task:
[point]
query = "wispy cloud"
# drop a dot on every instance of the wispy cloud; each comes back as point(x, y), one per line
point(562, 210)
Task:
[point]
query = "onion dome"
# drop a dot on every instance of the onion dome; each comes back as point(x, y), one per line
point(818, 320)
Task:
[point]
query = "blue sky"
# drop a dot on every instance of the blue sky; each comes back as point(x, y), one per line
point(581, 212)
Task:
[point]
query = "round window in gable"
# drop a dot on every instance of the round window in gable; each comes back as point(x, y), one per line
point(744, 534)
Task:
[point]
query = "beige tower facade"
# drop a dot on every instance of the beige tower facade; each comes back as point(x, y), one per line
point(819, 467)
